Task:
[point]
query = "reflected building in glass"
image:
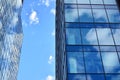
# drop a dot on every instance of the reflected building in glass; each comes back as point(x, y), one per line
point(11, 35)
point(87, 40)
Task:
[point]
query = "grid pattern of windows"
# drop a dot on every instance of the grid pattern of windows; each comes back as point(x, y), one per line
point(92, 30)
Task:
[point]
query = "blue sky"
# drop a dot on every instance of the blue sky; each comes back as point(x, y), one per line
point(38, 50)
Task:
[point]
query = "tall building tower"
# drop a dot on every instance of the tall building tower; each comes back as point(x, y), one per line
point(87, 40)
point(11, 35)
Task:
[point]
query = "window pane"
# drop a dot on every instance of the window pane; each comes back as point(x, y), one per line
point(71, 15)
point(83, 1)
point(93, 62)
point(85, 15)
point(100, 15)
point(73, 36)
point(87, 39)
point(96, 2)
point(73, 48)
point(91, 48)
point(70, 1)
point(113, 77)
point(109, 1)
point(104, 36)
point(111, 62)
point(107, 48)
point(116, 35)
point(118, 48)
point(113, 15)
point(76, 77)
point(75, 62)
point(119, 54)
point(95, 77)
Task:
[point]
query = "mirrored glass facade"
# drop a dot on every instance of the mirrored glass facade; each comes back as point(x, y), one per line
point(87, 40)
point(11, 35)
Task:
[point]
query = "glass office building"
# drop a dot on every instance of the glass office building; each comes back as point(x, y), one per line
point(10, 38)
point(87, 40)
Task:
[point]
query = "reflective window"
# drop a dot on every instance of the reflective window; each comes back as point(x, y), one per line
point(96, 1)
point(100, 15)
point(73, 36)
point(116, 35)
point(118, 48)
point(112, 77)
point(85, 15)
point(113, 15)
point(107, 48)
point(119, 54)
point(110, 62)
point(87, 39)
point(91, 48)
point(93, 62)
point(71, 15)
point(83, 1)
point(95, 77)
point(76, 77)
point(72, 48)
point(70, 1)
point(105, 36)
point(109, 1)
point(75, 62)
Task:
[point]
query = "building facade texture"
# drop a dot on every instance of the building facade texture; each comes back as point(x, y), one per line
point(88, 40)
point(11, 35)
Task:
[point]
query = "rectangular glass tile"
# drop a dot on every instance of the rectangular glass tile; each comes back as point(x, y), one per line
point(83, 1)
point(95, 77)
point(107, 48)
point(75, 62)
point(76, 77)
point(72, 25)
point(93, 62)
point(113, 77)
point(70, 1)
point(118, 48)
point(96, 1)
point(115, 26)
point(91, 48)
point(116, 35)
point(84, 6)
point(110, 62)
point(109, 1)
point(102, 25)
point(70, 48)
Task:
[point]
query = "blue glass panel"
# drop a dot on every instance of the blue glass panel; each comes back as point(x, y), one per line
point(107, 48)
point(70, 1)
point(113, 26)
point(102, 25)
point(116, 35)
point(73, 48)
point(70, 6)
point(85, 25)
point(73, 36)
point(75, 62)
point(76, 77)
point(83, 1)
point(71, 15)
point(119, 54)
point(109, 1)
point(87, 39)
point(95, 77)
point(110, 62)
point(113, 15)
point(93, 62)
point(91, 48)
point(96, 1)
point(85, 15)
point(118, 48)
point(113, 77)
point(100, 15)
point(105, 36)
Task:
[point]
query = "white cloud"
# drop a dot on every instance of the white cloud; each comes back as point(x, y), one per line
point(53, 33)
point(33, 17)
point(53, 11)
point(19, 3)
point(46, 2)
point(49, 77)
point(51, 59)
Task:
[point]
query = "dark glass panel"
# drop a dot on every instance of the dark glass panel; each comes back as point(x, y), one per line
point(93, 62)
point(107, 48)
point(87, 39)
point(76, 77)
point(100, 15)
point(119, 54)
point(70, 1)
point(113, 15)
point(105, 36)
point(73, 48)
point(113, 77)
point(110, 62)
point(72, 25)
point(96, 1)
point(115, 26)
point(101, 25)
point(85, 15)
point(91, 48)
point(87, 25)
point(73, 36)
point(95, 77)
point(70, 6)
point(71, 15)
point(75, 62)
point(83, 1)
point(116, 35)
